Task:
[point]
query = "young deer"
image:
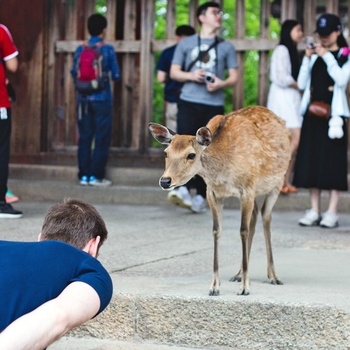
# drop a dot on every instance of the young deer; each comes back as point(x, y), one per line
point(243, 154)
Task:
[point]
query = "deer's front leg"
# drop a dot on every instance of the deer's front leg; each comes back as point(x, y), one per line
point(247, 205)
point(216, 206)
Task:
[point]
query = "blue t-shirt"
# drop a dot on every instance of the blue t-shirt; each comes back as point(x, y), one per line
point(32, 273)
point(172, 87)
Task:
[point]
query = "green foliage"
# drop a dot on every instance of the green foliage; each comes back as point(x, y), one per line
point(101, 7)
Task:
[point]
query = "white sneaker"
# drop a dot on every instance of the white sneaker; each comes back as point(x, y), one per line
point(311, 218)
point(181, 197)
point(329, 220)
point(199, 204)
point(99, 182)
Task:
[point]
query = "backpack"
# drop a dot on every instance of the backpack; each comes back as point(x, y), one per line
point(90, 77)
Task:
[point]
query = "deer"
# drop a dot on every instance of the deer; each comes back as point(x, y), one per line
point(244, 154)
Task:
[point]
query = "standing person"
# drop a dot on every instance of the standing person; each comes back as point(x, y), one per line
point(95, 109)
point(8, 61)
point(321, 162)
point(199, 63)
point(56, 284)
point(284, 96)
point(172, 87)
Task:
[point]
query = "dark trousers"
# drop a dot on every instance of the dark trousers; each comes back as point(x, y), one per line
point(190, 117)
point(94, 123)
point(5, 135)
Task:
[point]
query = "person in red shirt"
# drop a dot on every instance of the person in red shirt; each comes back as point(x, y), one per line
point(8, 62)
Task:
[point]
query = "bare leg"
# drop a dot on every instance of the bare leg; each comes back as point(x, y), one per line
point(333, 201)
point(315, 197)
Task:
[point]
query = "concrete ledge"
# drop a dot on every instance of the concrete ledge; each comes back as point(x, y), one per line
point(308, 311)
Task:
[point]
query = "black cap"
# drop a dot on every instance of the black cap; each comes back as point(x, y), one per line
point(327, 24)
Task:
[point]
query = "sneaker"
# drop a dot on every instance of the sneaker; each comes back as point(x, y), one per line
point(84, 181)
point(199, 204)
point(10, 197)
point(181, 197)
point(311, 218)
point(329, 220)
point(99, 182)
point(7, 212)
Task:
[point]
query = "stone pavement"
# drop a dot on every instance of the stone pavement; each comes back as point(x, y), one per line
point(160, 259)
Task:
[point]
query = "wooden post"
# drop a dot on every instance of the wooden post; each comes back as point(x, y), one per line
point(146, 72)
point(309, 17)
point(238, 94)
point(263, 70)
point(170, 20)
point(128, 80)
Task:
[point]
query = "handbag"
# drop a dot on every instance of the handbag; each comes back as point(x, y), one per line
point(320, 109)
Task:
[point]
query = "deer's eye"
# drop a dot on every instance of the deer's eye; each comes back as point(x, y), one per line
point(191, 156)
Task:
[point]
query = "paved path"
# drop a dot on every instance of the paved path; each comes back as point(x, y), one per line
point(163, 255)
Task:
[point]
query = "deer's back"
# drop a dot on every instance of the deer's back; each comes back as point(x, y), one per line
point(250, 149)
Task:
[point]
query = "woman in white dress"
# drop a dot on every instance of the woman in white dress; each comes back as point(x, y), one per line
point(284, 96)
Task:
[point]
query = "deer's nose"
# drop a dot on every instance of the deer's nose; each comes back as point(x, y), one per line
point(165, 182)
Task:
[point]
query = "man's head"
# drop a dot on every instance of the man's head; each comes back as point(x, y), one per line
point(74, 222)
point(210, 6)
point(184, 30)
point(96, 24)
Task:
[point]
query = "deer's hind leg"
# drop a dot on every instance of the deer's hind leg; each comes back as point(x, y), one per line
point(247, 208)
point(216, 206)
point(266, 212)
point(238, 276)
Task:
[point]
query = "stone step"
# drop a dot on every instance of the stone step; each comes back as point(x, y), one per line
point(136, 186)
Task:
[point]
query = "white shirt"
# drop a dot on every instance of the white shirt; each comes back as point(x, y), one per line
point(340, 75)
point(283, 100)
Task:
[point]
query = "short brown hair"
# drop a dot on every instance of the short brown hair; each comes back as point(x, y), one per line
point(74, 222)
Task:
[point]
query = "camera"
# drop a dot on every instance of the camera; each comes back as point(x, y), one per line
point(208, 78)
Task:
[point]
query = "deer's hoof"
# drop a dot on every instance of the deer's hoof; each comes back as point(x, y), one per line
point(276, 281)
point(243, 291)
point(236, 279)
point(214, 292)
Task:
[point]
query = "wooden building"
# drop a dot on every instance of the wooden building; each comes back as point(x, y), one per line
point(47, 33)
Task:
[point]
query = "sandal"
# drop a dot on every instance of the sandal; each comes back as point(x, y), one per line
point(292, 189)
point(285, 190)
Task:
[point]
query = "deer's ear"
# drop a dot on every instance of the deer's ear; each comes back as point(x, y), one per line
point(161, 133)
point(204, 136)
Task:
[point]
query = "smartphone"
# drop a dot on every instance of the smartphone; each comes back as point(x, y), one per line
point(310, 42)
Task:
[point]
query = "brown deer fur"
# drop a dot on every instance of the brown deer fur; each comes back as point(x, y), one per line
point(243, 154)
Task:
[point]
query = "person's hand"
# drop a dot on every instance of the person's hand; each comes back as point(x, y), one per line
point(309, 52)
point(198, 75)
point(320, 50)
point(216, 85)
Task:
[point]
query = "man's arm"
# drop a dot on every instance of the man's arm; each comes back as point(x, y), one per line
point(161, 76)
point(12, 64)
point(176, 73)
point(77, 304)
